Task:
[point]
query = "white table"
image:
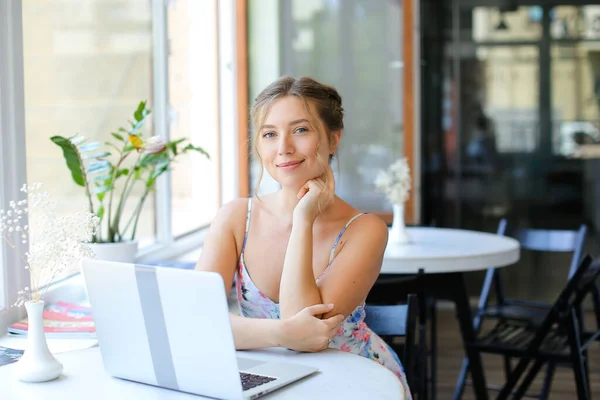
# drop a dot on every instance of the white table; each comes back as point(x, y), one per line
point(445, 255)
point(341, 375)
point(441, 250)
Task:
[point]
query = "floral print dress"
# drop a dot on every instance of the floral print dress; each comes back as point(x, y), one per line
point(354, 336)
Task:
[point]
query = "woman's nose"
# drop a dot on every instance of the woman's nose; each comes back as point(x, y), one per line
point(285, 145)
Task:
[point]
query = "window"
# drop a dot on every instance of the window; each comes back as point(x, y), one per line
point(332, 41)
point(82, 67)
point(194, 112)
point(87, 66)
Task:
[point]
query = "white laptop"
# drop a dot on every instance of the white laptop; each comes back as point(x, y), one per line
point(170, 328)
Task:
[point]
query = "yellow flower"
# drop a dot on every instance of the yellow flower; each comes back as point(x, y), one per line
point(136, 141)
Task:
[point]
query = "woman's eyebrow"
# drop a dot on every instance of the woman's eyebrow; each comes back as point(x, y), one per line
point(294, 122)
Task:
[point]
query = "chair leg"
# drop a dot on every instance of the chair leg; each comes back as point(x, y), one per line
point(514, 377)
point(583, 389)
point(432, 348)
point(535, 369)
point(545, 392)
point(507, 367)
point(422, 390)
point(580, 381)
point(462, 377)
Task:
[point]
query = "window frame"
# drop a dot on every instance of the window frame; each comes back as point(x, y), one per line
point(12, 152)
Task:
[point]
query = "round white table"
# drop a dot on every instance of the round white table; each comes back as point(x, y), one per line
point(441, 250)
point(341, 375)
point(445, 255)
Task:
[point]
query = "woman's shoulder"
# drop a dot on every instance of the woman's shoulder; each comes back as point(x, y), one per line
point(232, 212)
point(363, 222)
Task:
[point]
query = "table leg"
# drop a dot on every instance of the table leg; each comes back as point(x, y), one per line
point(465, 320)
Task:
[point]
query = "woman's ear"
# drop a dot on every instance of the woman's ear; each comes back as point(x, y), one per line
point(336, 136)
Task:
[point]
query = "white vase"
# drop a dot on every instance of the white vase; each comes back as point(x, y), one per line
point(37, 363)
point(398, 232)
point(122, 252)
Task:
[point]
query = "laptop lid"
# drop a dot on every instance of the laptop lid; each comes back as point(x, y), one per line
point(165, 327)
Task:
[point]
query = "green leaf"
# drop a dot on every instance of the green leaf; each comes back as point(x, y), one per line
point(138, 173)
point(153, 159)
point(118, 137)
point(198, 149)
point(76, 139)
point(90, 146)
point(97, 155)
point(157, 172)
point(102, 189)
point(122, 172)
point(94, 165)
point(71, 157)
point(102, 178)
point(100, 212)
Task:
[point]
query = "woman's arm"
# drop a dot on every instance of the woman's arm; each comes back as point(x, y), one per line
point(221, 248)
point(354, 270)
point(220, 254)
point(255, 333)
point(348, 279)
point(298, 288)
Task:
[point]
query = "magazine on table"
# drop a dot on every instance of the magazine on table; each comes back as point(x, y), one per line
point(62, 320)
point(9, 356)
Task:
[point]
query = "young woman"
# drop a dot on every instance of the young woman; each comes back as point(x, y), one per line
point(303, 259)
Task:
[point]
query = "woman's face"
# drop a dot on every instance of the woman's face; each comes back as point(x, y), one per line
point(288, 144)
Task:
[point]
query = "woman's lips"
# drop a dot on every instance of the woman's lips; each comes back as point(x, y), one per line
point(290, 165)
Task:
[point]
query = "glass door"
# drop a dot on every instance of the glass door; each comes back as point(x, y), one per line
point(521, 95)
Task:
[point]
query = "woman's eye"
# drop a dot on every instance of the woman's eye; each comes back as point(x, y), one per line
point(301, 130)
point(268, 134)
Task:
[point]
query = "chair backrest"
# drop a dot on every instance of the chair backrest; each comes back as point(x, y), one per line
point(393, 320)
point(535, 240)
point(553, 241)
point(398, 320)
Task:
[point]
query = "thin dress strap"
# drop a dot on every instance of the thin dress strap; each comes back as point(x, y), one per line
point(339, 237)
point(247, 223)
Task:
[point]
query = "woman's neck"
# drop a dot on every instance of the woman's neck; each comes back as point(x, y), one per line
point(285, 203)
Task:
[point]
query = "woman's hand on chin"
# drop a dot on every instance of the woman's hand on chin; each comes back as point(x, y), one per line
point(315, 196)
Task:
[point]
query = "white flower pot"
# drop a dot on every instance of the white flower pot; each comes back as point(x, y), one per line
point(398, 232)
point(37, 363)
point(122, 252)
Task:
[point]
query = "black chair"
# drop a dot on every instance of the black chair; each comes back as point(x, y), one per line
point(391, 314)
point(400, 320)
point(559, 339)
point(522, 310)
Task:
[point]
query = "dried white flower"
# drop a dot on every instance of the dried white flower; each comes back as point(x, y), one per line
point(155, 144)
point(395, 182)
point(56, 243)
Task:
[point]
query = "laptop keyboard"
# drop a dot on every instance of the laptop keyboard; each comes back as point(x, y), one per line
point(250, 381)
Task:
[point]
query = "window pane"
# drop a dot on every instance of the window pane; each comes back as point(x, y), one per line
point(509, 24)
point(87, 66)
point(332, 41)
point(193, 86)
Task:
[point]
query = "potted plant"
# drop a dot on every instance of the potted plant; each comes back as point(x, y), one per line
point(108, 178)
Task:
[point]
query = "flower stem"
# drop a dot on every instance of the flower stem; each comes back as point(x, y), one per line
point(139, 212)
point(126, 190)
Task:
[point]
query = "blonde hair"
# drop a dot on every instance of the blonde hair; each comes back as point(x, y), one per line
point(325, 99)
